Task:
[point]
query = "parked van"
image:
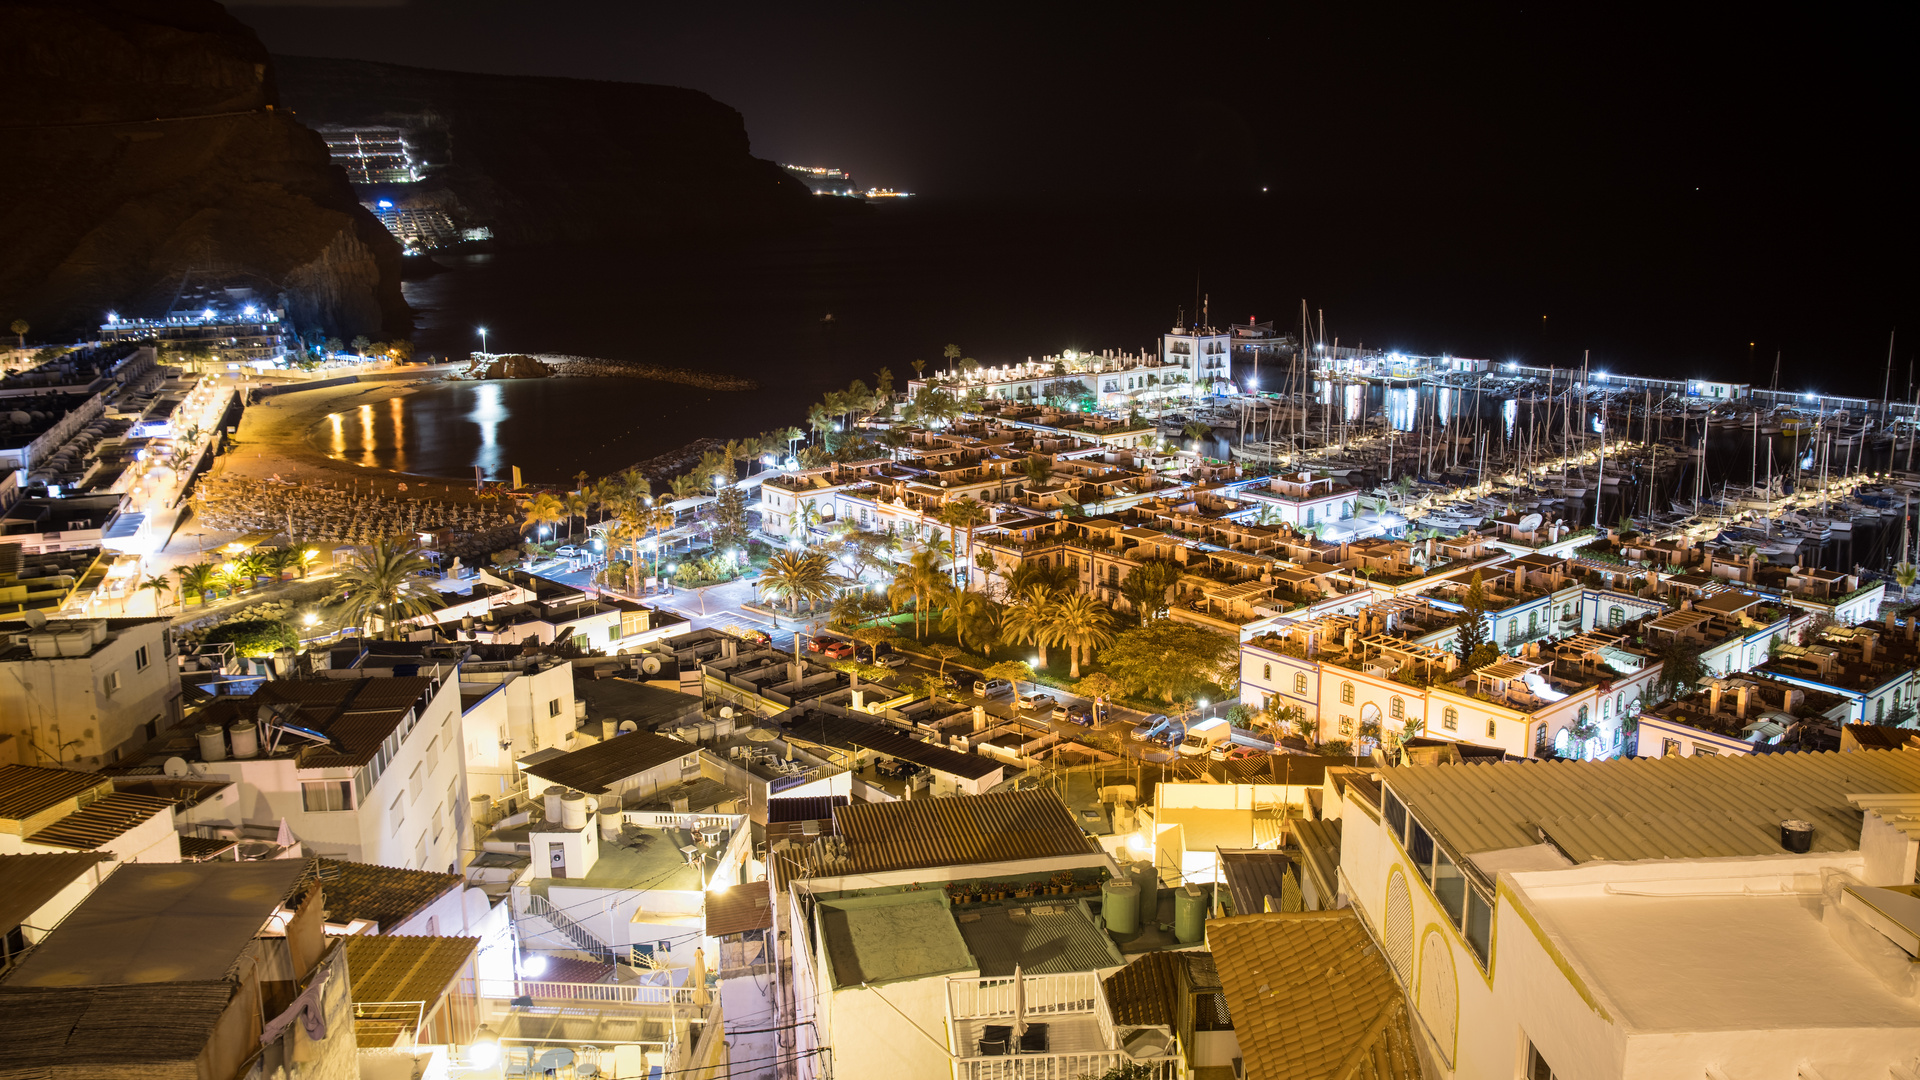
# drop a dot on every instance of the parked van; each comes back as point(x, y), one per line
point(1205, 735)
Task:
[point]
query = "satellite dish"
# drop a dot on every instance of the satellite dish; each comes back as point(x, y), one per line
point(176, 767)
point(650, 665)
point(1529, 523)
point(36, 620)
point(628, 727)
point(726, 712)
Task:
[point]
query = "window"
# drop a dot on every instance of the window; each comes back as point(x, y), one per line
point(140, 658)
point(1537, 1067)
point(325, 796)
point(417, 782)
point(1346, 726)
point(1420, 850)
point(398, 812)
point(433, 753)
point(1669, 747)
point(1266, 672)
point(1397, 708)
point(1479, 929)
point(553, 707)
point(438, 813)
point(1703, 750)
point(1300, 682)
point(1450, 718)
point(1396, 814)
point(1449, 887)
point(1493, 729)
point(420, 853)
point(1616, 615)
point(1346, 693)
point(112, 681)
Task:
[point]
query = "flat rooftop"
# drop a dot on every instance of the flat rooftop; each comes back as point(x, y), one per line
point(881, 939)
point(1719, 963)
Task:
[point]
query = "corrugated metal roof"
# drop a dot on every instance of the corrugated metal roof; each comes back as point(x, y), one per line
point(1041, 939)
point(1652, 808)
point(594, 769)
point(28, 881)
point(996, 827)
point(803, 808)
point(1252, 876)
point(155, 1030)
point(405, 968)
point(26, 790)
point(1312, 998)
point(843, 733)
point(736, 910)
point(385, 895)
point(100, 822)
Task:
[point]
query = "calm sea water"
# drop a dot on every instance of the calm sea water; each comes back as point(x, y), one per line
point(804, 313)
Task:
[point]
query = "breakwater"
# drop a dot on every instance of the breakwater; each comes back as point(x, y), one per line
point(601, 367)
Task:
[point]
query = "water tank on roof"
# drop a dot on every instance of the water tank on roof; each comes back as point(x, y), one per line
point(1148, 879)
point(1120, 906)
point(553, 795)
point(1189, 914)
point(213, 743)
point(246, 740)
point(573, 810)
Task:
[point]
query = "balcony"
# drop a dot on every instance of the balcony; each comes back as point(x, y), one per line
point(1077, 1039)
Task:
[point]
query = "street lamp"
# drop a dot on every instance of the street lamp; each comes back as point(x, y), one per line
point(483, 339)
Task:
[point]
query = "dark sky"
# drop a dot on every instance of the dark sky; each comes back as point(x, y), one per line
point(1746, 162)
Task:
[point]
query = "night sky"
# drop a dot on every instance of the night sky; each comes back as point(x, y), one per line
point(1744, 158)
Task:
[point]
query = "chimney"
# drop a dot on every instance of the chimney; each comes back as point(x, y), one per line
point(859, 701)
point(1713, 698)
point(1740, 695)
point(1868, 641)
point(979, 718)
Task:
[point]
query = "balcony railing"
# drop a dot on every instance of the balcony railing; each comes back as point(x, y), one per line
point(1060, 1066)
point(1071, 992)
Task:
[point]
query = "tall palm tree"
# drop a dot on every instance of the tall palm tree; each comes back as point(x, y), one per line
point(199, 579)
point(543, 510)
point(921, 580)
point(969, 515)
point(157, 586)
point(578, 504)
point(384, 579)
point(1030, 619)
point(796, 576)
point(687, 486)
point(1084, 624)
point(1906, 574)
point(1038, 470)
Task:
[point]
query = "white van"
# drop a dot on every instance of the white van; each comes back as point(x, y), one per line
point(1205, 735)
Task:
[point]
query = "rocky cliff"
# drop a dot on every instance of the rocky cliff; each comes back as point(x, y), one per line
point(547, 160)
point(146, 154)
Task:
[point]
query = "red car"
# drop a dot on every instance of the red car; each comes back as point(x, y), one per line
point(839, 650)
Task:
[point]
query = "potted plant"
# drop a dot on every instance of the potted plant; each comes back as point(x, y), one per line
point(1063, 880)
point(959, 892)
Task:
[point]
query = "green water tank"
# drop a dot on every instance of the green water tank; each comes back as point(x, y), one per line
point(1189, 914)
point(1120, 906)
point(1148, 879)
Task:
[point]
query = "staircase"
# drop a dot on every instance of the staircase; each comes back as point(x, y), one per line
point(572, 931)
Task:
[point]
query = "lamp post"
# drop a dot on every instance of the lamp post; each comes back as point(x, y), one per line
point(483, 339)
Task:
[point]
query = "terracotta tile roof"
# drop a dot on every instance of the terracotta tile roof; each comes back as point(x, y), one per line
point(594, 769)
point(387, 895)
point(100, 822)
point(743, 907)
point(1147, 991)
point(28, 881)
point(152, 1030)
point(1312, 998)
point(25, 790)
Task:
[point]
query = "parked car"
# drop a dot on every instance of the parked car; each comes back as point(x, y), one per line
point(567, 551)
point(991, 687)
point(950, 681)
point(1080, 713)
point(815, 645)
point(893, 659)
point(839, 650)
point(1148, 728)
point(1239, 753)
point(758, 637)
point(1035, 702)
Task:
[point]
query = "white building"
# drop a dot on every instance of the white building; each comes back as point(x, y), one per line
point(1640, 918)
point(509, 709)
point(44, 811)
point(83, 692)
point(1205, 353)
point(379, 779)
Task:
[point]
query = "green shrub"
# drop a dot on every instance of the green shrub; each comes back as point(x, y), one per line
point(255, 637)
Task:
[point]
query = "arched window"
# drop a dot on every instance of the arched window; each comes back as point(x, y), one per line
point(1266, 672)
point(1346, 693)
point(1493, 729)
point(1616, 615)
point(1450, 718)
point(1563, 742)
point(1397, 708)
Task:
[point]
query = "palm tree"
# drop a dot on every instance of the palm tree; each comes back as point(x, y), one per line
point(1030, 619)
point(20, 329)
point(157, 585)
point(974, 619)
point(282, 559)
point(1038, 470)
point(796, 576)
point(578, 504)
point(969, 515)
point(918, 366)
point(952, 353)
point(1906, 574)
point(199, 579)
point(384, 579)
point(543, 510)
point(687, 486)
point(921, 580)
point(1083, 624)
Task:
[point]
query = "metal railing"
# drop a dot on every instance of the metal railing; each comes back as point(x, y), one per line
point(572, 931)
point(618, 993)
point(1061, 1066)
point(977, 998)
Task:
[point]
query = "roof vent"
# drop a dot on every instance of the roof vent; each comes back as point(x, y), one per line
point(1796, 835)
